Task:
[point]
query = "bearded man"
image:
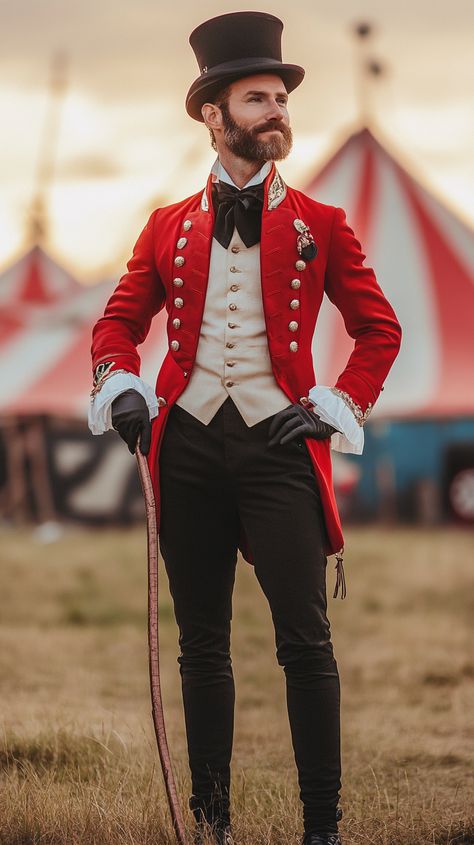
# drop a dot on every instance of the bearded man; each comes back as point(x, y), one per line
point(237, 434)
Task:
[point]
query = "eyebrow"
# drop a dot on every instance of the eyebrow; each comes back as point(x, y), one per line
point(265, 94)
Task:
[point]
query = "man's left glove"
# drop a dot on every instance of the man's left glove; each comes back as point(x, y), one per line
point(131, 417)
point(297, 421)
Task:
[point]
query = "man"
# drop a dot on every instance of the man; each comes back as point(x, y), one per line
point(239, 443)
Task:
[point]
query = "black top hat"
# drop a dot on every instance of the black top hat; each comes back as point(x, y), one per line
point(232, 46)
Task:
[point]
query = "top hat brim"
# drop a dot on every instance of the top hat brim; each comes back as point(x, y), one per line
point(207, 85)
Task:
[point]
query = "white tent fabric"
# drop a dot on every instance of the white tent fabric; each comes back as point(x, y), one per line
point(423, 258)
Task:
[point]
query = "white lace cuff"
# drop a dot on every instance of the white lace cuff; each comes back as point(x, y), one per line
point(100, 413)
point(333, 410)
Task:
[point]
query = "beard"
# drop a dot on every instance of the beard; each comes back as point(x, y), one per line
point(246, 143)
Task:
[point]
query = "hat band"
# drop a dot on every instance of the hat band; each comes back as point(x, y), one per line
point(240, 64)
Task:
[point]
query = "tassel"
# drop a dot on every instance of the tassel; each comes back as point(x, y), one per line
point(340, 577)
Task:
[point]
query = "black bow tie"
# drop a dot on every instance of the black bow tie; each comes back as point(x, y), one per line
point(240, 209)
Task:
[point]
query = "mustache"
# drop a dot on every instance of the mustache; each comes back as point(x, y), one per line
point(270, 126)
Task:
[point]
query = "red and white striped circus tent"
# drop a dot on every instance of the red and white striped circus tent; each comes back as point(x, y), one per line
point(423, 257)
point(29, 287)
point(421, 252)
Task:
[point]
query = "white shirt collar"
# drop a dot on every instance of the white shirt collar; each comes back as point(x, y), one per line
point(221, 174)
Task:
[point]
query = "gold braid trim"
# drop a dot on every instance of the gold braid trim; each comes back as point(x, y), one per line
point(100, 381)
point(359, 414)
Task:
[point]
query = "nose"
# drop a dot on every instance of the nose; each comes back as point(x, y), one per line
point(275, 111)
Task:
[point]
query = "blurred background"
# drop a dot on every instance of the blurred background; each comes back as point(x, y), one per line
point(94, 136)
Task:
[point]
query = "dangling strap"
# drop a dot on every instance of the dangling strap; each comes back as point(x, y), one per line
point(340, 577)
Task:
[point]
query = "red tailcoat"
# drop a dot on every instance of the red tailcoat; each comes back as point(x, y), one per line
point(338, 270)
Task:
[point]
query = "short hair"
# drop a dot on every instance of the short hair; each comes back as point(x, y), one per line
point(221, 98)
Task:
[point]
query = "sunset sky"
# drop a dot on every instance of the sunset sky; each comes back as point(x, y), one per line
point(125, 143)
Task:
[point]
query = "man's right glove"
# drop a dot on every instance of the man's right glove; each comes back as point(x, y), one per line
point(131, 417)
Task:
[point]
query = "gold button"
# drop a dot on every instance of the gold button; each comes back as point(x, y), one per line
point(178, 282)
point(176, 323)
point(182, 243)
point(179, 261)
point(230, 363)
point(235, 249)
point(187, 225)
point(300, 265)
point(294, 304)
point(161, 401)
point(179, 302)
point(293, 346)
point(229, 383)
point(233, 306)
point(295, 284)
point(175, 345)
point(230, 345)
point(234, 269)
point(234, 288)
point(293, 325)
point(232, 325)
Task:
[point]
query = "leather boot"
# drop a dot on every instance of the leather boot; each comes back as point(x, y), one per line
point(215, 834)
point(212, 820)
point(326, 838)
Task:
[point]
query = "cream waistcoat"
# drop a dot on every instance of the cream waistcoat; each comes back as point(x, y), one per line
point(232, 356)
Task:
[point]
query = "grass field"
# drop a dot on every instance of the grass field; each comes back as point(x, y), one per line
point(78, 762)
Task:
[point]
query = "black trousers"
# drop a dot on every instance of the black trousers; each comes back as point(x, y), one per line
point(212, 476)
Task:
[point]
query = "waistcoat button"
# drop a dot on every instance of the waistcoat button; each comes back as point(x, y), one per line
point(234, 288)
point(229, 383)
point(235, 249)
point(233, 306)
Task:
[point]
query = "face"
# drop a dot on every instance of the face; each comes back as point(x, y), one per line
point(255, 119)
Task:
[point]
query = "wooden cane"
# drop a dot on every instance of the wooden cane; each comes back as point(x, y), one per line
point(153, 649)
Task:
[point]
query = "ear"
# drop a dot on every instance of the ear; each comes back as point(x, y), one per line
point(212, 116)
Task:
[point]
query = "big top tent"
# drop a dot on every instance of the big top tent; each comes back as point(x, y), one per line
point(423, 257)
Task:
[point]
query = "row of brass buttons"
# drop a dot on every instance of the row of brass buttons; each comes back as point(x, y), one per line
point(179, 261)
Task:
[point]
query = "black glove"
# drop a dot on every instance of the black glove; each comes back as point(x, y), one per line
point(130, 417)
point(297, 421)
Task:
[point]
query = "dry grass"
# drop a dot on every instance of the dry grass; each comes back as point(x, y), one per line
point(78, 763)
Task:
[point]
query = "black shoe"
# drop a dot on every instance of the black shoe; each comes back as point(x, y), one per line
point(322, 839)
point(215, 834)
